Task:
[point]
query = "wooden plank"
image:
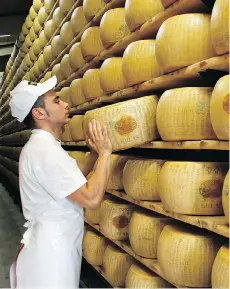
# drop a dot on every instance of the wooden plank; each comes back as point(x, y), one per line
point(214, 145)
point(216, 224)
point(172, 145)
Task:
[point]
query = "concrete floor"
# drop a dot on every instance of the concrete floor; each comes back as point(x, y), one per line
point(11, 230)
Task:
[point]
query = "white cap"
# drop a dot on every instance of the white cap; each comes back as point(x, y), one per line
point(25, 94)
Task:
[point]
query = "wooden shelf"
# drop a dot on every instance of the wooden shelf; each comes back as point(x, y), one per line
point(188, 76)
point(147, 30)
point(216, 224)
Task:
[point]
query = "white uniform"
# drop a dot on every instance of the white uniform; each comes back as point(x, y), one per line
point(52, 252)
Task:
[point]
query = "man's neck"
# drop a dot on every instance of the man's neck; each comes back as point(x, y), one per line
point(56, 131)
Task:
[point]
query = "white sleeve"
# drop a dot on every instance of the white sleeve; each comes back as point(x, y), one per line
point(59, 174)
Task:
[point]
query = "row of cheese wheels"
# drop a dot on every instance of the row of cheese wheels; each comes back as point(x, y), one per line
point(192, 188)
point(187, 256)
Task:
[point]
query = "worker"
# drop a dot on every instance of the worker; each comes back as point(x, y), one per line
point(54, 189)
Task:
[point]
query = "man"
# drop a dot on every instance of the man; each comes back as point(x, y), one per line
point(54, 190)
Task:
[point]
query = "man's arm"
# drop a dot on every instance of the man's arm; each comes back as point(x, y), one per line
point(88, 162)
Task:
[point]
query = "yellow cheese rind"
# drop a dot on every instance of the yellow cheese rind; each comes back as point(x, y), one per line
point(93, 216)
point(57, 71)
point(57, 45)
point(57, 17)
point(37, 4)
point(42, 15)
point(36, 26)
point(219, 108)
point(65, 67)
point(48, 75)
point(92, 8)
point(78, 20)
point(48, 56)
point(76, 58)
point(76, 128)
point(225, 197)
point(42, 39)
point(66, 33)
point(140, 179)
point(77, 95)
point(79, 156)
point(91, 84)
point(48, 4)
point(193, 188)
point(179, 44)
point(186, 256)
point(41, 63)
point(66, 5)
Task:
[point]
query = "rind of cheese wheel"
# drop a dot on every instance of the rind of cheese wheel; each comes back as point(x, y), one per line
point(94, 245)
point(144, 231)
point(184, 114)
point(41, 63)
point(180, 44)
point(116, 265)
point(137, 13)
point(111, 75)
point(78, 20)
point(66, 5)
point(92, 8)
point(49, 29)
point(167, 3)
point(32, 55)
point(77, 95)
point(140, 179)
point(186, 255)
point(36, 26)
point(57, 17)
point(76, 127)
point(114, 219)
point(65, 67)
point(129, 123)
point(220, 26)
point(93, 216)
point(42, 15)
point(56, 45)
point(33, 14)
point(37, 4)
point(48, 75)
point(91, 84)
point(225, 197)
point(79, 156)
point(193, 188)
point(57, 71)
point(139, 62)
point(66, 33)
point(47, 54)
point(42, 40)
point(220, 268)
point(139, 276)
point(113, 26)
point(75, 56)
point(64, 95)
point(28, 22)
point(48, 4)
point(32, 34)
point(219, 108)
point(66, 136)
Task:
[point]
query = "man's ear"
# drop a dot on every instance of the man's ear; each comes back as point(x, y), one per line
point(38, 113)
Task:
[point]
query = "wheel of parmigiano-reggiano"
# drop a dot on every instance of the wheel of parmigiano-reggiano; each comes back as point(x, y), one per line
point(94, 245)
point(219, 108)
point(37, 4)
point(111, 75)
point(113, 26)
point(64, 95)
point(140, 179)
point(116, 265)
point(66, 136)
point(114, 219)
point(48, 4)
point(47, 75)
point(140, 277)
point(220, 26)
point(77, 95)
point(66, 5)
point(91, 44)
point(32, 55)
point(42, 40)
point(139, 62)
point(78, 20)
point(91, 84)
point(28, 22)
point(186, 255)
point(36, 47)
point(76, 127)
point(66, 33)
point(27, 62)
point(32, 13)
point(144, 231)
point(79, 156)
point(137, 13)
point(57, 46)
point(42, 15)
point(32, 76)
point(184, 114)
point(225, 197)
point(193, 188)
point(75, 56)
point(129, 123)
point(42, 80)
point(179, 44)
point(92, 8)
point(25, 30)
point(56, 71)
point(41, 63)
point(167, 3)
point(49, 29)
point(57, 17)
point(93, 216)
point(36, 69)
point(48, 56)
point(32, 34)
point(36, 26)
point(28, 41)
point(66, 69)
point(117, 165)
point(220, 269)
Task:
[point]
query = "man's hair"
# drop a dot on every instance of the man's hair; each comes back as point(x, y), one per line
point(29, 120)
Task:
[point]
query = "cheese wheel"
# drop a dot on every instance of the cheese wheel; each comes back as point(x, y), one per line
point(42, 40)
point(91, 84)
point(225, 197)
point(57, 17)
point(75, 56)
point(66, 5)
point(25, 30)
point(57, 46)
point(41, 63)
point(65, 67)
point(94, 245)
point(66, 33)
point(77, 95)
point(37, 4)
point(28, 41)
point(32, 76)
point(220, 269)
point(114, 219)
point(92, 8)
point(220, 26)
point(139, 62)
point(32, 34)
point(36, 69)
point(219, 108)
point(47, 54)
point(79, 156)
point(42, 80)
point(48, 4)
point(47, 75)
point(184, 114)
point(113, 26)
point(140, 179)
point(32, 13)
point(66, 136)
point(64, 95)
point(93, 216)
point(129, 123)
point(49, 29)
point(144, 231)
point(197, 251)
point(116, 169)
point(111, 75)
point(193, 188)
point(27, 62)
point(78, 20)
point(137, 13)
point(116, 265)
point(76, 127)
point(91, 44)
point(28, 22)
point(36, 47)
point(36, 26)
point(57, 71)
point(140, 277)
point(179, 44)
point(42, 15)
point(167, 3)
